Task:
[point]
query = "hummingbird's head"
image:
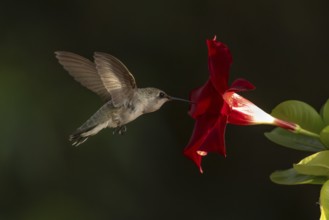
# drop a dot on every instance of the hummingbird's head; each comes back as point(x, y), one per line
point(156, 98)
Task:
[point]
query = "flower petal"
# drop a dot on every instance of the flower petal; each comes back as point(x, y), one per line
point(205, 99)
point(202, 128)
point(243, 112)
point(240, 85)
point(219, 62)
point(215, 141)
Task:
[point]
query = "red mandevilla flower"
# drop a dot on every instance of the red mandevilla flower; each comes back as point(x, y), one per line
point(215, 104)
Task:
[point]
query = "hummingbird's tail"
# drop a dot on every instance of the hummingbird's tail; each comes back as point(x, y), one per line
point(93, 125)
point(80, 135)
point(77, 139)
point(85, 131)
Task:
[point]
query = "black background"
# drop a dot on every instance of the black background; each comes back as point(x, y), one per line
point(280, 46)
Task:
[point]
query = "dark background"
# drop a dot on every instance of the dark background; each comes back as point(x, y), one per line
point(280, 46)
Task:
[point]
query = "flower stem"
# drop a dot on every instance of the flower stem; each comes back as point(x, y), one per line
point(300, 130)
point(295, 128)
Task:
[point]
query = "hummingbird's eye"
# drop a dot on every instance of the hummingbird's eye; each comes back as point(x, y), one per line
point(161, 94)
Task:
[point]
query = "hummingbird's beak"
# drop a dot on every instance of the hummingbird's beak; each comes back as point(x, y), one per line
point(179, 99)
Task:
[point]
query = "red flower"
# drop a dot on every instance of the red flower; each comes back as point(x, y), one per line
point(215, 104)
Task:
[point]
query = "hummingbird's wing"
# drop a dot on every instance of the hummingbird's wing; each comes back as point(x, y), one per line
point(118, 81)
point(84, 71)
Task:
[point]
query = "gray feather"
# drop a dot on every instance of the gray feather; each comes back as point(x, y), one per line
point(84, 71)
point(116, 77)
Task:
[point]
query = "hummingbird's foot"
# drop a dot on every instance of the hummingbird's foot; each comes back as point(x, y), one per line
point(120, 130)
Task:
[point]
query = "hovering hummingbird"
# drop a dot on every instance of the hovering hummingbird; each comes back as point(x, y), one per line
point(111, 80)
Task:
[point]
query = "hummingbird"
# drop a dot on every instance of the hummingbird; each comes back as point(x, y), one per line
point(108, 77)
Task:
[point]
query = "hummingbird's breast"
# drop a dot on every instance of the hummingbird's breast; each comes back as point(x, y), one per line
point(126, 113)
point(130, 113)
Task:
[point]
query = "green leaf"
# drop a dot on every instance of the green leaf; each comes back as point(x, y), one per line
point(300, 113)
point(295, 141)
point(325, 112)
point(291, 177)
point(324, 201)
point(316, 165)
point(324, 136)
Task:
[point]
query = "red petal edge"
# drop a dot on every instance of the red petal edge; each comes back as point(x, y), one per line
point(219, 63)
point(202, 128)
point(241, 85)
